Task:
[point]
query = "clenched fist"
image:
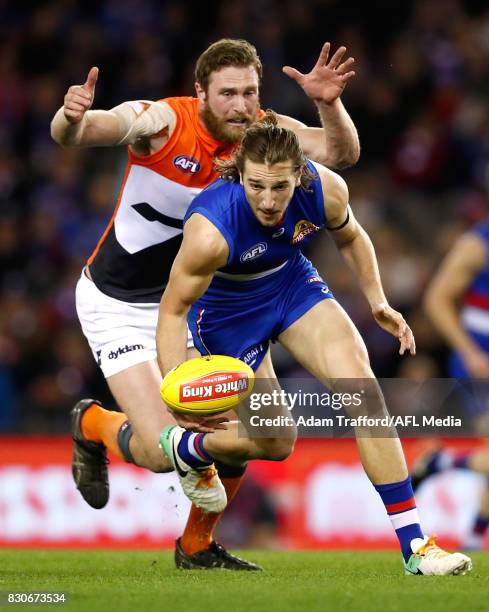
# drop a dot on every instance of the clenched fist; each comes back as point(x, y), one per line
point(79, 98)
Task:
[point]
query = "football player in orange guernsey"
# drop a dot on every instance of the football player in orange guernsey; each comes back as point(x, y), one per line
point(171, 147)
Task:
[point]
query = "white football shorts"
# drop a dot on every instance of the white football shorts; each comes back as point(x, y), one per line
point(120, 334)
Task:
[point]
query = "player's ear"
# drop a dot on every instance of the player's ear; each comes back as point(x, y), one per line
point(199, 90)
point(241, 178)
point(298, 177)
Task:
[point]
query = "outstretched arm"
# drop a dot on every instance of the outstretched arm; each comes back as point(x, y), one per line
point(203, 251)
point(130, 123)
point(356, 247)
point(444, 296)
point(336, 144)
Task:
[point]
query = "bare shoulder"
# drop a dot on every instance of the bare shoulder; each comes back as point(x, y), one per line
point(204, 244)
point(335, 191)
point(470, 251)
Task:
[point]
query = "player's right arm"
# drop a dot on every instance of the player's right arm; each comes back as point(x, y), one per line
point(203, 251)
point(444, 295)
point(144, 125)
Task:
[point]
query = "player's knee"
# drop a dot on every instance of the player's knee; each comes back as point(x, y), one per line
point(364, 398)
point(360, 362)
point(278, 449)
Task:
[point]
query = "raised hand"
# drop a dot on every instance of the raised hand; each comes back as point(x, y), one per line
point(327, 80)
point(394, 323)
point(79, 98)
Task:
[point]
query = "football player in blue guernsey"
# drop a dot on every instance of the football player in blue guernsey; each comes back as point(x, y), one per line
point(457, 302)
point(172, 143)
point(241, 279)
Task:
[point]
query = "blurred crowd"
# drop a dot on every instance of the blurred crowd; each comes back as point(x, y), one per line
point(419, 101)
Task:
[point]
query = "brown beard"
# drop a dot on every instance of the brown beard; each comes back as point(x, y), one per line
point(222, 131)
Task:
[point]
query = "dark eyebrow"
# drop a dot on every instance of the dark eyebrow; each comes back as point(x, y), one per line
point(235, 89)
point(259, 182)
point(280, 184)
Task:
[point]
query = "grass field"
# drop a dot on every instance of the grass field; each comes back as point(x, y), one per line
point(147, 581)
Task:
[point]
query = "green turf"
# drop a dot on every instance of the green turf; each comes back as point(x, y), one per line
point(299, 581)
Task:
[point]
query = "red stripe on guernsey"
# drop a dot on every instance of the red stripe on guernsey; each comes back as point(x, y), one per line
point(197, 449)
point(477, 299)
point(401, 506)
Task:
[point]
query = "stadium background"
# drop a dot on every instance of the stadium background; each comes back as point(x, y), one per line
point(419, 101)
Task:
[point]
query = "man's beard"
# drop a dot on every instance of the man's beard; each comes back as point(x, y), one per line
point(220, 129)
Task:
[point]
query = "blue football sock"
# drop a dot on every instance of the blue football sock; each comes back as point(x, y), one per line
point(191, 450)
point(399, 501)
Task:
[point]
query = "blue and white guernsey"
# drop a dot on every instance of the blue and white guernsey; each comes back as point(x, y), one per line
point(475, 308)
point(267, 283)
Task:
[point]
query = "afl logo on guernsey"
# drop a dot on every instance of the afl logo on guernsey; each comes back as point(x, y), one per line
point(186, 164)
point(253, 252)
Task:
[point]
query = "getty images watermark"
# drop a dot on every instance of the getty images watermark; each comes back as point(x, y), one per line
point(378, 408)
point(335, 401)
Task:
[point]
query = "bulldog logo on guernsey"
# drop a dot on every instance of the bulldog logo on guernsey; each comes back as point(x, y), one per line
point(253, 252)
point(216, 386)
point(187, 164)
point(303, 229)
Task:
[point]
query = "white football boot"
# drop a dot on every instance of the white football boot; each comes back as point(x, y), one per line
point(429, 559)
point(202, 486)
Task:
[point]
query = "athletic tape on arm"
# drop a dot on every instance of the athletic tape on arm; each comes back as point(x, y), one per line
point(143, 119)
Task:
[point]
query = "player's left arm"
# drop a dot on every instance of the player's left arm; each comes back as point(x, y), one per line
point(356, 247)
point(336, 144)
